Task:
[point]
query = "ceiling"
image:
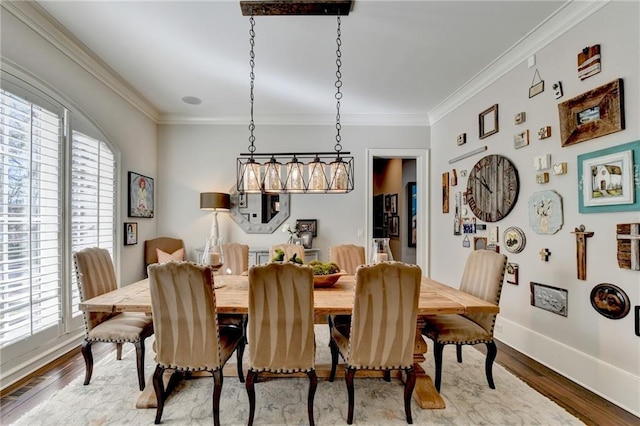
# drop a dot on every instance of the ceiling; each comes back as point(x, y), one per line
point(400, 59)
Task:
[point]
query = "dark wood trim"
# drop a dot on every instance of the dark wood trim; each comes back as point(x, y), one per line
point(303, 7)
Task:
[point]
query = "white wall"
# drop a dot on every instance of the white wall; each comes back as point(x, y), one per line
point(599, 353)
point(201, 158)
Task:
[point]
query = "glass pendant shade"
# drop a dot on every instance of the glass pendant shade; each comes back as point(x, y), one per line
point(339, 176)
point(380, 251)
point(295, 173)
point(317, 176)
point(251, 177)
point(273, 176)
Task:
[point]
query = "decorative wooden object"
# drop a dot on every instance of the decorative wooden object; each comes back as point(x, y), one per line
point(327, 7)
point(445, 192)
point(544, 254)
point(628, 236)
point(581, 250)
point(492, 188)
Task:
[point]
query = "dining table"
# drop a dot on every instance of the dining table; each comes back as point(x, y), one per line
point(232, 297)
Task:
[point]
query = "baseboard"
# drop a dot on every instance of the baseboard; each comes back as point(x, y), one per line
point(608, 381)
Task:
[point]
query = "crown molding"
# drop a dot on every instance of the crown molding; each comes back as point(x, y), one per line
point(410, 120)
point(37, 19)
point(564, 19)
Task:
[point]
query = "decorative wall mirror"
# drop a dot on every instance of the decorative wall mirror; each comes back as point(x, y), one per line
point(258, 213)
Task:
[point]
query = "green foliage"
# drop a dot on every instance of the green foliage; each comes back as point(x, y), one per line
point(324, 268)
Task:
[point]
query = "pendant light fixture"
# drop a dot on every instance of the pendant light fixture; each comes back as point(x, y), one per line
point(264, 172)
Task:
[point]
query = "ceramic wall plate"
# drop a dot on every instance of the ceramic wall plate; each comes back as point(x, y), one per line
point(610, 301)
point(514, 239)
point(545, 212)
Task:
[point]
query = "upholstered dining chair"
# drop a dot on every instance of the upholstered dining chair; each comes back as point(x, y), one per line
point(95, 275)
point(188, 338)
point(281, 333)
point(236, 259)
point(382, 332)
point(482, 277)
point(289, 250)
point(165, 244)
point(348, 257)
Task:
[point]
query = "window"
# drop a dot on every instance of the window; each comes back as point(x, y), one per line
point(58, 195)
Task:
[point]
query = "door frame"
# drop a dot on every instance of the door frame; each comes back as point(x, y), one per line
point(421, 156)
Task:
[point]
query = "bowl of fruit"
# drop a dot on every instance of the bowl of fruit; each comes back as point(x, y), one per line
point(325, 274)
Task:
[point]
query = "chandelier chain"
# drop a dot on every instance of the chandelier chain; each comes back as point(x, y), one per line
point(252, 64)
point(338, 84)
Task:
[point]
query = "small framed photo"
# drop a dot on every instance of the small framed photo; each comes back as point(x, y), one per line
point(140, 195)
point(479, 243)
point(394, 204)
point(130, 233)
point(307, 239)
point(394, 226)
point(462, 139)
point(488, 122)
point(308, 225)
point(521, 139)
point(387, 203)
point(511, 274)
point(552, 299)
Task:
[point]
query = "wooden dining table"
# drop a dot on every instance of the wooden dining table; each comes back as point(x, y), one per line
point(232, 297)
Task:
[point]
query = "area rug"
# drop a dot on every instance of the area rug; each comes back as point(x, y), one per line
point(110, 398)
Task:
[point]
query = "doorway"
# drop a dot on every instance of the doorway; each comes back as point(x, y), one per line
point(392, 193)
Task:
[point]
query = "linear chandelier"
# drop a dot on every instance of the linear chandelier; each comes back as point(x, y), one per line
point(295, 172)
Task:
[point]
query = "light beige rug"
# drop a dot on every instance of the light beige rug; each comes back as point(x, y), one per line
point(110, 398)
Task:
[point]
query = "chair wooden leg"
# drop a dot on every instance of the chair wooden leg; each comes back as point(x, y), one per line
point(334, 358)
point(409, 384)
point(492, 351)
point(88, 361)
point(437, 356)
point(239, 354)
point(313, 385)
point(158, 386)
point(252, 377)
point(140, 362)
point(459, 352)
point(349, 375)
point(119, 351)
point(218, 378)
point(387, 375)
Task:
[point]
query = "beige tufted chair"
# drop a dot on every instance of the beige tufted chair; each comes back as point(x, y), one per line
point(289, 251)
point(281, 333)
point(348, 257)
point(166, 244)
point(236, 259)
point(187, 335)
point(96, 276)
point(482, 277)
point(382, 332)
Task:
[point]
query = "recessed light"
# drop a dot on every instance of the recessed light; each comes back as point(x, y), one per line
point(191, 100)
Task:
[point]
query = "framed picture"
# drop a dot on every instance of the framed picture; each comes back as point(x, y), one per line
point(479, 243)
point(412, 214)
point(394, 204)
point(387, 203)
point(394, 226)
point(589, 62)
point(308, 225)
point(545, 212)
point(521, 139)
point(592, 114)
point(609, 179)
point(511, 273)
point(488, 121)
point(130, 233)
point(552, 299)
point(140, 195)
point(637, 309)
point(307, 239)
point(610, 301)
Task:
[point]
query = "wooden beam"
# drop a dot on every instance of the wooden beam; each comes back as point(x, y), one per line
point(302, 7)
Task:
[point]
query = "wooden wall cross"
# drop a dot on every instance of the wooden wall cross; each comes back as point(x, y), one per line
point(628, 236)
point(581, 250)
point(544, 254)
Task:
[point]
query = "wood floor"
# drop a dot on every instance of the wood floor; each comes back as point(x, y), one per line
point(585, 405)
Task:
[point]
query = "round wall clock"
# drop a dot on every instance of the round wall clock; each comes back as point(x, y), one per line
point(514, 239)
point(492, 188)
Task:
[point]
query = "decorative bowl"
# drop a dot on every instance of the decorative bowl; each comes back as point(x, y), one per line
point(327, 280)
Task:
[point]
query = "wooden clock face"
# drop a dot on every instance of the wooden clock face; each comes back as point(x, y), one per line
point(492, 188)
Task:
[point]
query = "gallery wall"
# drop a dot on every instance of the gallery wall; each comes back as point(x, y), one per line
point(599, 353)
